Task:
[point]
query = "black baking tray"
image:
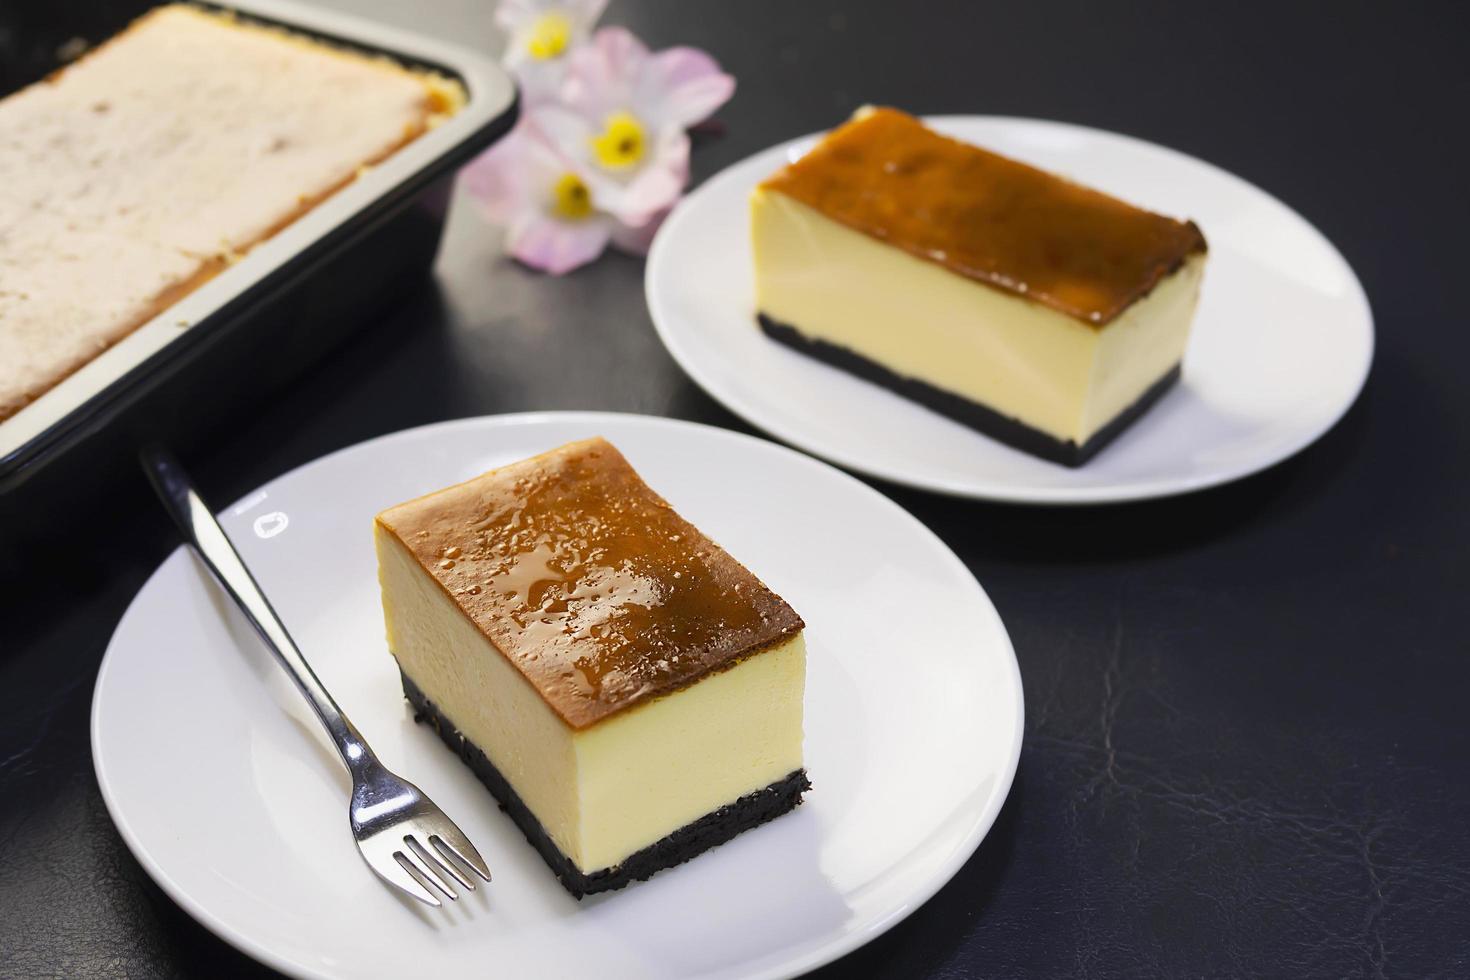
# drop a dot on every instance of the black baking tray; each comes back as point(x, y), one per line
point(263, 321)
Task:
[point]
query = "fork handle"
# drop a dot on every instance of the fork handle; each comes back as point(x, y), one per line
point(209, 539)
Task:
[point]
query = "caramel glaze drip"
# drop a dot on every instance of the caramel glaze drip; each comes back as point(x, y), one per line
point(588, 581)
point(988, 217)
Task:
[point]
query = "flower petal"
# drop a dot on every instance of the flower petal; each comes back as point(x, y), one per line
point(656, 184)
point(517, 15)
point(516, 175)
point(500, 178)
point(558, 247)
point(513, 14)
point(671, 153)
point(567, 133)
point(602, 72)
point(562, 128)
point(586, 13)
point(540, 81)
point(681, 86)
point(636, 239)
point(541, 77)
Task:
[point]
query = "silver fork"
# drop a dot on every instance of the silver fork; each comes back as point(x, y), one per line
point(403, 836)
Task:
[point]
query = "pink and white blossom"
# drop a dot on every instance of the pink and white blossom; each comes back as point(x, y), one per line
point(526, 184)
point(541, 36)
point(626, 116)
point(602, 152)
point(674, 88)
point(651, 179)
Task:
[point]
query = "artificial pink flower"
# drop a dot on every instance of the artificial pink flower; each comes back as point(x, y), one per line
point(675, 88)
point(542, 34)
point(626, 114)
point(634, 172)
point(602, 154)
point(542, 198)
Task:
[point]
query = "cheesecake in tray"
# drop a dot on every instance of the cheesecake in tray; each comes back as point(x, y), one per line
point(1040, 312)
point(137, 174)
point(627, 690)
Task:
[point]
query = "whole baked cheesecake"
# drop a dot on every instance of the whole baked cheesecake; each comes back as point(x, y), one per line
point(1043, 313)
point(627, 690)
point(133, 176)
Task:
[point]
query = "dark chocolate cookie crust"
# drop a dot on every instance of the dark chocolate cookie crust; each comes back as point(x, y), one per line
point(688, 841)
point(1003, 428)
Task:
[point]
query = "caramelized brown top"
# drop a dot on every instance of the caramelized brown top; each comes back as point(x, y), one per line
point(988, 217)
point(588, 581)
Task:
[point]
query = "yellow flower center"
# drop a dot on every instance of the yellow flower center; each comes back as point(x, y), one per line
point(549, 36)
point(571, 198)
point(620, 144)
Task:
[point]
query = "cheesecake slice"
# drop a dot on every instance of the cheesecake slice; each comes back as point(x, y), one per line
point(627, 690)
point(1038, 311)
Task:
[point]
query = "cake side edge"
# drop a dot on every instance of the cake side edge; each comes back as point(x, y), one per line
point(687, 842)
point(980, 417)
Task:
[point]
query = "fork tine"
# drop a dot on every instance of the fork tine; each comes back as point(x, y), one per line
point(411, 860)
point(393, 872)
point(449, 839)
point(437, 863)
point(450, 858)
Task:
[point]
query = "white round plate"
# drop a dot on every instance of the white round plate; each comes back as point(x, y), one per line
point(1280, 348)
point(223, 788)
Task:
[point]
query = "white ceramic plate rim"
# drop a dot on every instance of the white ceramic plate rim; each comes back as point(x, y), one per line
point(779, 426)
point(840, 943)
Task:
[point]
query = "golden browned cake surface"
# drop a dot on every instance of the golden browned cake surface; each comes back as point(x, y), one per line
point(587, 581)
point(136, 174)
point(987, 217)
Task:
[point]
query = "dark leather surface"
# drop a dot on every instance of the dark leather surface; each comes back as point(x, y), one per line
point(1246, 739)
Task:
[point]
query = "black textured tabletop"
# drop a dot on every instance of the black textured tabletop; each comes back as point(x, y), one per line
point(1246, 743)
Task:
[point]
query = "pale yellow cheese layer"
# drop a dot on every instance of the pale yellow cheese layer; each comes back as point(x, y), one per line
point(646, 772)
point(922, 321)
point(609, 790)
